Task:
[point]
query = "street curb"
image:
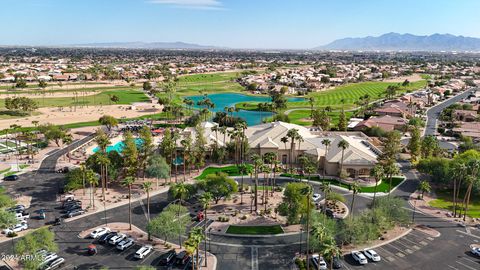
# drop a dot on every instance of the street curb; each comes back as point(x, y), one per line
point(254, 235)
point(100, 209)
point(388, 241)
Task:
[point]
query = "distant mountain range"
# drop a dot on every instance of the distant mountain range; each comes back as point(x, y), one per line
point(405, 42)
point(146, 45)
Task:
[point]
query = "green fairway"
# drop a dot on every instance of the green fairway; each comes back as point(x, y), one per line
point(214, 82)
point(351, 93)
point(302, 117)
point(40, 92)
point(255, 230)
point(231, 170)
point(126, 96)
point(444, 201)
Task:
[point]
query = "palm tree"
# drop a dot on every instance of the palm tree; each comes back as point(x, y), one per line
point(257, 163)
point(390, 169)
point(330, 250)
point(187, 147)
point(327, 143)
point(311, 101)
point(195, 237)
point(378, 174)
point(243, 169)
point(343, 144)
point(276, 169)
point(355, 188)
point(147, 186)
point(128, 182)
point(205, 200)
point(307, 191)
point(284, 140)
point(180, 192)
point(93, 181)
point(458, 173)
point(471, 180)
point(292, 134)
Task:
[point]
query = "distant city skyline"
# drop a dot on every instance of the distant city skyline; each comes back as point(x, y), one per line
point(274, 24)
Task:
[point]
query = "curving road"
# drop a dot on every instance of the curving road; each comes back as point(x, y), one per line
point(434, 112)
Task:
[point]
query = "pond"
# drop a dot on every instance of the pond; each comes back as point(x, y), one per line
point(223, 100)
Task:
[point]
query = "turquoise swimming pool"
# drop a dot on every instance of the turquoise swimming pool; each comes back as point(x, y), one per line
point(118, 146)
point(223, 100)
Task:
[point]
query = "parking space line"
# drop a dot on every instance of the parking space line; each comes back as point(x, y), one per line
point(146, 257)
point(464, 265)
point(452, 267)
point(408, 240)
point(408, 247)
point(400, 250)
point(470, 260)
point(468, 234)
point(386, 251)
point(254, 258)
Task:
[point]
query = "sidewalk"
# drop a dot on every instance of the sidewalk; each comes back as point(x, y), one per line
point(423, 206)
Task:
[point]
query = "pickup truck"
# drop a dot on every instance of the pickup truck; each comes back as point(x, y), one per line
point(22, 215)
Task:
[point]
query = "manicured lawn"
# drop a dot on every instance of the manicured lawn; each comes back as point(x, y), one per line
point(351, 93)
point(4, 171)
point(214, 82)
point(255, 230)
point(444, 201)
point(300, 117)
point(10, 173)
point(229, 170)
point(382, 187)
point(127, 96)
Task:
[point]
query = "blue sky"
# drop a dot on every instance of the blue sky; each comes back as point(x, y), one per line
point(230, 23)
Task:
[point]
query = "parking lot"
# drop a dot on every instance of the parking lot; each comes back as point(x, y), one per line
point(398, 254)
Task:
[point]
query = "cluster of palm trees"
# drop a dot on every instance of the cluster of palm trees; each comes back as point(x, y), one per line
point(466, 174)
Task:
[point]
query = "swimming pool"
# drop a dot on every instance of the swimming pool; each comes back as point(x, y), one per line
point(223, 100)
point(118, 146)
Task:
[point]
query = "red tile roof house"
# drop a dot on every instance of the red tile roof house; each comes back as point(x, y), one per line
point(386, 122)
point(395, 108)
point(465, 115)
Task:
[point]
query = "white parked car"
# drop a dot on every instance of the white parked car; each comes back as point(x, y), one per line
point(476, 251)
point(143, 252)
point(54, 264)
point(17, 228)
point(117, 239)
point(359, 257)
point(372, 255)
point(319, 262)
point(125, 244)
point(316, 197)
point(99, 232)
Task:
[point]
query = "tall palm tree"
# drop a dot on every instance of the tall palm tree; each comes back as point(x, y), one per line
point(292, 134)
point(93, 181)
point(330, 250)
point(343, 144)
point(205, 200)
point(378, 174)
point(458, 174)
point(327, 143)
point(471, 180)
point(243, 169)
point(196, 236)
point(187, 147)
point(276, 169)
point(257, 163)
point(355, 188)
point(147, 186)
point(390, 169)
point(128, 182)
point(284, 140)
point(180, 192)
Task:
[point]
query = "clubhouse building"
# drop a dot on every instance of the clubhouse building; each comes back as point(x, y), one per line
point(358, 158)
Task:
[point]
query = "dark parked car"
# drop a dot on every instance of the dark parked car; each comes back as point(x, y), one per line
point(104, 238)
point(74, 213)
point(12, 177)
point(168, 258)
point(337, 263)
point(182, 258)
point(72, 208)
point(69, 203)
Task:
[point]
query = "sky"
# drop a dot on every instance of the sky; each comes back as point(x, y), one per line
point(270, 24)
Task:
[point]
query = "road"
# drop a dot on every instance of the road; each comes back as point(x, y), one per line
point(434, 112)
point(414, 251)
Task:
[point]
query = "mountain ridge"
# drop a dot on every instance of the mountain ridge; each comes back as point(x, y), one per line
point(405, 42)
point(145, 45)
